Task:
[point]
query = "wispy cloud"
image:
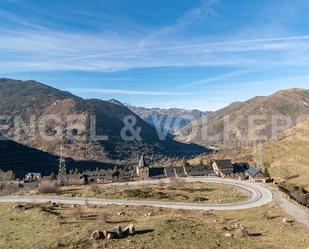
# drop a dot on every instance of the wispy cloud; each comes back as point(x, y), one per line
point(64, 51)
point(129, 92)
point(33, 47)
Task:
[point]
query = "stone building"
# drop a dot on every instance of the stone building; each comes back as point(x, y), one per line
point(223, 168)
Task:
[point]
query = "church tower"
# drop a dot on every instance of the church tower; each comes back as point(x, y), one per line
point(142, 170)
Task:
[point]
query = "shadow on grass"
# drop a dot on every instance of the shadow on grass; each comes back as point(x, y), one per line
point(145, 231)
point(119, 221)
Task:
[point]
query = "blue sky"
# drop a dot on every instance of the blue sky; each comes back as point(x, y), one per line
point(200, 54)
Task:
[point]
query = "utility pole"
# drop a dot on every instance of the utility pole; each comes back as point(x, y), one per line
point(62, 173)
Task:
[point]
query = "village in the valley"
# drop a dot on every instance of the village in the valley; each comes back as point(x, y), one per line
point(144, 171)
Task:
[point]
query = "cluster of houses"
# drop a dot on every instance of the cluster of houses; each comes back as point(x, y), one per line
point(220, 168)
point(143, 171)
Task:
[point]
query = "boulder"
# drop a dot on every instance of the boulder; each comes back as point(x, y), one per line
point(129, 230)
point(111, 235)
point(118, 231)
point(121, 213)
point(148, 214)
point(287, 221)
point(228, 234)
point(105, 233)
point(97, 235)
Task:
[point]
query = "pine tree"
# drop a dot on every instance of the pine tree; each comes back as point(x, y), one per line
point(266, 173)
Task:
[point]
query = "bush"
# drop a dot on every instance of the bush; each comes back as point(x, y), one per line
point(8, 188)
point(74, 182)
point(7, 175)
point(138, 193)
point(47, 187)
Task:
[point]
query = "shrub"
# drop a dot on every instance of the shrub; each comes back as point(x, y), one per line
point(46, 187)
point(7, 175)
point(138, 193)
point(74, 181)
point(8, 188)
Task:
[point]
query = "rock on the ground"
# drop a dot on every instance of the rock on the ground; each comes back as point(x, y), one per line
point(228, 234)
point(119, 232)
point(110, 236)
point(97, 235)
point(121, 213)
point(287, 221)
point(148, 214)
point(254, 233)
point(129, 230)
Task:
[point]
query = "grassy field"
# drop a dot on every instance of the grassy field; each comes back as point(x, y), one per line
point(47, 226)
point(177, 190)
point(288, 157)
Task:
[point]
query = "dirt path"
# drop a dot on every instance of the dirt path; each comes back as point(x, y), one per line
point(293, 209)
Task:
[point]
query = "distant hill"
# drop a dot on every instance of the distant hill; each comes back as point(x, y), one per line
point(287, 157)
point(292, 102)
point(33, 100)
point(23, 159)
point(170, 120)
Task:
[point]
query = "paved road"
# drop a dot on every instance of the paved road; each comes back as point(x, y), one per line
point(259, 196)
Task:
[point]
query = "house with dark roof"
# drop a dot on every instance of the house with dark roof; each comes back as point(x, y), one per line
point(223, 168)
point(255, 175)
point(102, 176)
point(199, 170)
point(156, 173)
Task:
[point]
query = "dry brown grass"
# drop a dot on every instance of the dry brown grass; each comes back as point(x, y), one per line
point(76, 212)
point(177, 190)
point(176, 183)
point(164, 229)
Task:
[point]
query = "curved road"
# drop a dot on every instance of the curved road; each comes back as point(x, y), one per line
point(259, 196)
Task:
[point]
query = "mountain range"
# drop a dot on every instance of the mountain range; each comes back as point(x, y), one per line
point(170, 120)
point(235, 118)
